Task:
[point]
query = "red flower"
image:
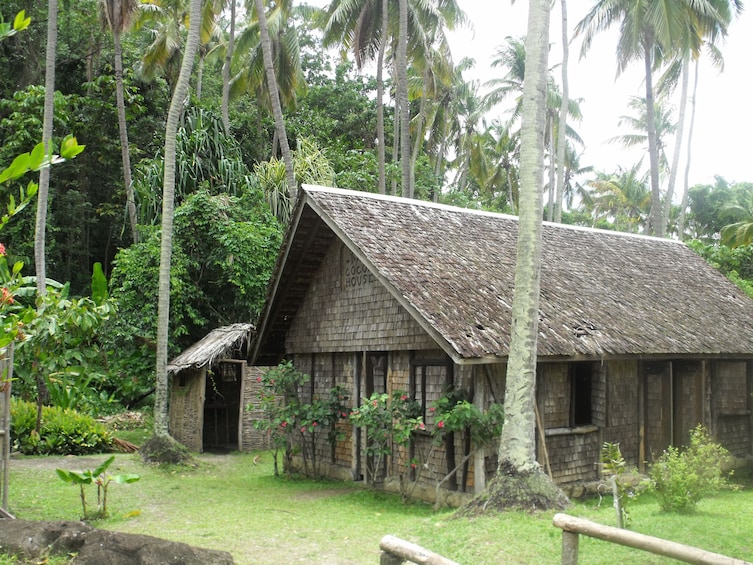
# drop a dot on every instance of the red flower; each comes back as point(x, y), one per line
point(432, 409)
point(314, 424)
point(421, 426)
point(2, 250)
point(303, 428)
point(403, 397)
point(284, 424)
point(440, 425)
point(412, 465)
point(258, 379)
point(6, 297)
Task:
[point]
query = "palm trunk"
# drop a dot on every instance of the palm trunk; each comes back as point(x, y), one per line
point(168, 208)
point(402, 98)
point(678, 141)
point(200, 75)
point(44, 175)
point(517, 443)
point(123, 131)
point(380, 99)
point(419, 130)
point(655, 216)
point(226, 71)
point(685, 187)
point(562, 125)
point(552, 165)
point(274, 95)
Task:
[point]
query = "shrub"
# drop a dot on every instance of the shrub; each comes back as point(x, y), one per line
point(63, 432)
point(680, 478)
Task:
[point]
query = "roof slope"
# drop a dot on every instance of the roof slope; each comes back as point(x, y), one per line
point(602, 293)
point(219, 343)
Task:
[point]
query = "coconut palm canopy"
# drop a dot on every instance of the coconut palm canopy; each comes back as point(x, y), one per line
point(603, 294)
point(221, 343)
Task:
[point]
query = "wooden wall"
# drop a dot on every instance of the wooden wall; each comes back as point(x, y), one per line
point(732, 406)
point(348, 309)
point(186, 420)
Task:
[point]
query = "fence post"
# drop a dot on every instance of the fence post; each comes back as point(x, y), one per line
point(570, 542)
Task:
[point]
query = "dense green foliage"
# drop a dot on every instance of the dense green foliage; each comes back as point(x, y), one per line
point(63, 431)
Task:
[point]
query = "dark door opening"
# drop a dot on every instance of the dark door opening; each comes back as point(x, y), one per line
point(222, 407)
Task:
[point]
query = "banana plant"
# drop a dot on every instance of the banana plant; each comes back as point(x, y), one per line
point(99, 477)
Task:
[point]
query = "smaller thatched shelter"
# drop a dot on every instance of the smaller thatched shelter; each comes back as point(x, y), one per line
point(211, 388)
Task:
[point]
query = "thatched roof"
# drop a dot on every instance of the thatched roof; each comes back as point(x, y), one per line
point(603, 294)
point(222, 343)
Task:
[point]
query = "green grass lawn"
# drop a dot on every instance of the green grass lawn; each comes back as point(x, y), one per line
point(229, 503)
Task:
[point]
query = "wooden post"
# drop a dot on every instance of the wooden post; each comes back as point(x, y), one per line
point(479, 463)
point(570, 542)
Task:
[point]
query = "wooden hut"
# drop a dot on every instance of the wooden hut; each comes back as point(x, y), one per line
point(639, 339)
point(211, 388)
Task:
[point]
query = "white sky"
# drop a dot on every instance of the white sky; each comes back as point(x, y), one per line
point(724, 116)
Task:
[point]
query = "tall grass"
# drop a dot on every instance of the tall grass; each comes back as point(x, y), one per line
point(230, 503)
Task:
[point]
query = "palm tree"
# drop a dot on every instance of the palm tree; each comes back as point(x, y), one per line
point(562, 117)
point(622, 197)
point(362, 26)
point(166, 20)
point(168, 203)
point(665, 127)
point(649, 31)
point(44, 175)
point(403, 109)
point(712, 31)
point(518, 474)
point(117, 16)
point(225, 105)
point(274, 95)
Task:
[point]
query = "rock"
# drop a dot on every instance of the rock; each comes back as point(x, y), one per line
point(32, 540)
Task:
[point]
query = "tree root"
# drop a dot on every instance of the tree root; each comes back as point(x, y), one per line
point(511, 489)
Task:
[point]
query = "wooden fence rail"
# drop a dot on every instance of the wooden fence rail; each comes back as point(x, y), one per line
point(572, 527)
point(396, 551)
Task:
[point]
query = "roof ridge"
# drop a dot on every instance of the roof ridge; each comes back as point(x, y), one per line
point(473, 211)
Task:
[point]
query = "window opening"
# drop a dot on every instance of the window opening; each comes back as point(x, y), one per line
point(581, 379)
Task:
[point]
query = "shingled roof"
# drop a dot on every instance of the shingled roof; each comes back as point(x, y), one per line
point(603, 294)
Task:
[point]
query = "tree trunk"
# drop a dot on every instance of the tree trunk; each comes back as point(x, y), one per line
point(678, 141)
point(562, 125)
point(274, 95)
point(655, 216)
point(168, 205)
point(226, 71)
point(380, 99)
point(123, 131)
point(44, 174)
point(402, 98)
point(419, 131)
point(552, 167)
point(520, 482)
point(517, 443)
point(685, 187)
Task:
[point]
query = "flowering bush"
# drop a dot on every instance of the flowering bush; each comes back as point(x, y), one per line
point(389, 421)
point(454, 413)
point(287, 415)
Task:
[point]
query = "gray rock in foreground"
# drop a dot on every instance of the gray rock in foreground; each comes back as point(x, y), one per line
point(31, 540)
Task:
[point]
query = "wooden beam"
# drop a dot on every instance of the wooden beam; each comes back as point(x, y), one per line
point(406, 551)
point(657, 546)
